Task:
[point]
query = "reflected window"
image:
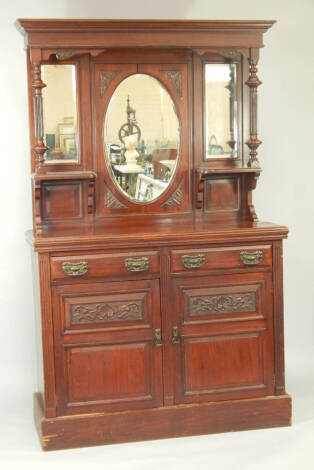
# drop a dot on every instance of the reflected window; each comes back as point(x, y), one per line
point(221, 127)
point(60, 113)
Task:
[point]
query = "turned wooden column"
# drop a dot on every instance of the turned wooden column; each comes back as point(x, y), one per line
point(37, 85)
point(253, 83)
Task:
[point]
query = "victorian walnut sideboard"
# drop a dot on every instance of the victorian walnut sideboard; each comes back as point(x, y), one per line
point(159, 298)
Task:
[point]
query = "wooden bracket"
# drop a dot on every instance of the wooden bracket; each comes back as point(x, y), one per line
point(199, 186)
point(251, 185)
point(36, 188)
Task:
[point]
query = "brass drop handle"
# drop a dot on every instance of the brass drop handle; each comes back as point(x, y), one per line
point(251, 258)
point(175, 335)
point(158, 339)
point(193, 261)
point(75, 269)
point(136, 264)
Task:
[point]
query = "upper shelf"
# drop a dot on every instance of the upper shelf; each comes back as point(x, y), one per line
point(205, 170)
point(43, 33)
point(68, 175)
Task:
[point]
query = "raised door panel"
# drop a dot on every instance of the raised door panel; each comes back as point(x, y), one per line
point(224, 348)
point(106, 356)
point(92, 369)
point(222, 358)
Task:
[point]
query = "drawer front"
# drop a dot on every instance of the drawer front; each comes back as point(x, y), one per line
point(104, 265)
point(205, 259)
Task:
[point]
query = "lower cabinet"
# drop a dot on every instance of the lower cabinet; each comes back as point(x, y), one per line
point(108, 342)
point(106, 354)
point(223, 337)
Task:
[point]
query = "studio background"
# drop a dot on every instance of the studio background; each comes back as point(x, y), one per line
point(284, 195)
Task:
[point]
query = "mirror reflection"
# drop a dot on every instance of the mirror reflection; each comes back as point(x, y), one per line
point(221, 130)
point(59, 113)
point(141, 138)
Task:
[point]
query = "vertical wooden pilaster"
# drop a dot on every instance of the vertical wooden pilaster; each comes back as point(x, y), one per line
point(47, 335)
point(253, 83)
point(167, 323)
point(278, 319)
point(197, 130)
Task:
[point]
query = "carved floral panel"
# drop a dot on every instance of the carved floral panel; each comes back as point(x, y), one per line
point(106, 312)
point(226, 303)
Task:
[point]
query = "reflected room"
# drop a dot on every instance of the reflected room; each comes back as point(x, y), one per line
point(60, 113)
point(221, 130)
point(141, 138)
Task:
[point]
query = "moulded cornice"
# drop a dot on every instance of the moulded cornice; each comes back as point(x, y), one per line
point(43, 33)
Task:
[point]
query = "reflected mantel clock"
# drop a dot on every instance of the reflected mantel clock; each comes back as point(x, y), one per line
point(160, 301)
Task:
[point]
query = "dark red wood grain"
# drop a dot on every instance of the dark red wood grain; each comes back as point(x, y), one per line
point(158, 423)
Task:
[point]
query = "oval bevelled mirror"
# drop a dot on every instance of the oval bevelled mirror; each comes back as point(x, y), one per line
point(141, 138)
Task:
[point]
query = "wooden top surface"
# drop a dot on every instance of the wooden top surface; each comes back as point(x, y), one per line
point(129, 232)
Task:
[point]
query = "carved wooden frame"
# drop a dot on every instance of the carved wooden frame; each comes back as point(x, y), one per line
point(110, 200)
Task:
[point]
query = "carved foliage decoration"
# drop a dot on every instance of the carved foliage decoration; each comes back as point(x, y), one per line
point(106, 312)
point(111, 202)
point(228, 54)
point(65, 54)
point(175, 76)
point(106, 77)
point(211, 304)
point(176, 198)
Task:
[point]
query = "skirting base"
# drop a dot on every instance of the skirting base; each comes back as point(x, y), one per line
point(173, 421)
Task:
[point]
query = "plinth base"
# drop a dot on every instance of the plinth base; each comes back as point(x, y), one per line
point(157, 423)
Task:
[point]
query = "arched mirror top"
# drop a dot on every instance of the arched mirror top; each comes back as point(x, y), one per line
point(141, 138)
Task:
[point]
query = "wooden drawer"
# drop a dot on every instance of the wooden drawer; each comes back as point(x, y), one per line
point(104, 265)
point(205, 259)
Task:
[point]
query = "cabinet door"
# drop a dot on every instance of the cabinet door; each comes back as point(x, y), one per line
point(224, 348)
point(106, 354)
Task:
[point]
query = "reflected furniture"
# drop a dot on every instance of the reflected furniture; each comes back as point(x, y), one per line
point(159, 313)
point(127, 175)
point(148, 188)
